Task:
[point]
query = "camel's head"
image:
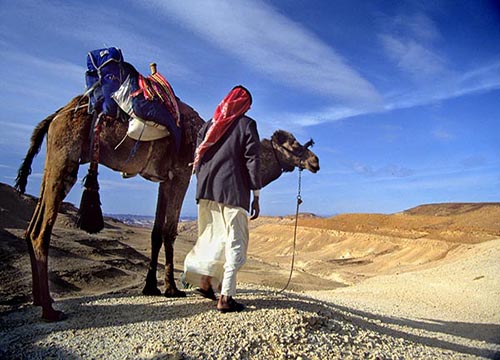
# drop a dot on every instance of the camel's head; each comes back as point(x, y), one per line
point(293, 154)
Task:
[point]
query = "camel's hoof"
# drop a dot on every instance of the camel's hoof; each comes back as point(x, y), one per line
point(53, 316)
point(175, 293)
point(151, 291)
point(39, 302)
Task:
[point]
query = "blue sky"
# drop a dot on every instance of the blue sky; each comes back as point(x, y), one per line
point(401, 97)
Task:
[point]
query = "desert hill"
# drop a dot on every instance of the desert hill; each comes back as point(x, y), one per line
point(349, 248)
point(330, 252)
point(454, 222)
point(79, 263)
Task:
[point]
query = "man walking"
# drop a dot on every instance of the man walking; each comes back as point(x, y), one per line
point(227, 169)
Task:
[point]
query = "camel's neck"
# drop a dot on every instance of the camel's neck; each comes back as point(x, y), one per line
point(270, 168)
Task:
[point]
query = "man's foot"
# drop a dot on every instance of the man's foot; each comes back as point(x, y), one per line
point(209, 294)
point(228, 304)
point(205, 288)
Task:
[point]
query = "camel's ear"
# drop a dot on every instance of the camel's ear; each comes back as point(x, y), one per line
point(310, 143)
point(280, 136)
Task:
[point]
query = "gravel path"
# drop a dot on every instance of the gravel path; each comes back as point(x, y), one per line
point(272, 327)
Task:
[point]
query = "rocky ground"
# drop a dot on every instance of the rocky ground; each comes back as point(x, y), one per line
point(420, 284)
point(121, 326)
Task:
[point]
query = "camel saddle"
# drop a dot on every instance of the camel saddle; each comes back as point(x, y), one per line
point(117, 90)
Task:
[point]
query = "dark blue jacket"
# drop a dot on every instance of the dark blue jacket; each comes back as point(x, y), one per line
point(230, 168)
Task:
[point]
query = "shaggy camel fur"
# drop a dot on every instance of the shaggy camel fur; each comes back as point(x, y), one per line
point(68, 146)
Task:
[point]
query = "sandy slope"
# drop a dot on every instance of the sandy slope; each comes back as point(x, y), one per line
point(459, 296)
point(464, 287)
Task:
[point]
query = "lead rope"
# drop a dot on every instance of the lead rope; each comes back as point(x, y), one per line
point(299, 201)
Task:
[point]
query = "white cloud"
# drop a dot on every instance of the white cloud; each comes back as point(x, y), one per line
point(410, 41)
point(261, 37)
point(57, 69)
point(17, 126)
point(420, 26)
point(330, 114)
point(40, 78)
point(137, 49)
point(413, 58)
point(15, 136)
point(93, 28)
point(485, 78)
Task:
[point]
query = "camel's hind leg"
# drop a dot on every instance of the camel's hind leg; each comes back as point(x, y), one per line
point(59, 177)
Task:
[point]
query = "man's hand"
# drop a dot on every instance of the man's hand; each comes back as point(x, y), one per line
point(255, 208)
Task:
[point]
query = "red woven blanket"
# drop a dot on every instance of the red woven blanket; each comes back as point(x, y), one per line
point(157, 86)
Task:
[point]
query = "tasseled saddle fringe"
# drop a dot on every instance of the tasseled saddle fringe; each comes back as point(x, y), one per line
point(90, 218)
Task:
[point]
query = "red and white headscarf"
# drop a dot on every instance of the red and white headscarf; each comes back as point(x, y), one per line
point(231, 108)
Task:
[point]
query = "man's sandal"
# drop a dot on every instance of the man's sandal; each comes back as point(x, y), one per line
point(231, 306)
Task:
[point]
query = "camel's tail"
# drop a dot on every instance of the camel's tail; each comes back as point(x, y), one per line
point(36, 143)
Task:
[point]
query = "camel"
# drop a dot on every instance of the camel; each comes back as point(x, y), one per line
point(68, 133)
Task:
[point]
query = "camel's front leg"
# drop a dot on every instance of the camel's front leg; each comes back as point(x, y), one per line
point(175, 191)
point(151, 287)
point(169, 239)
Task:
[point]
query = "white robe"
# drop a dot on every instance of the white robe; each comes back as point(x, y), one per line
point(221, 248)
